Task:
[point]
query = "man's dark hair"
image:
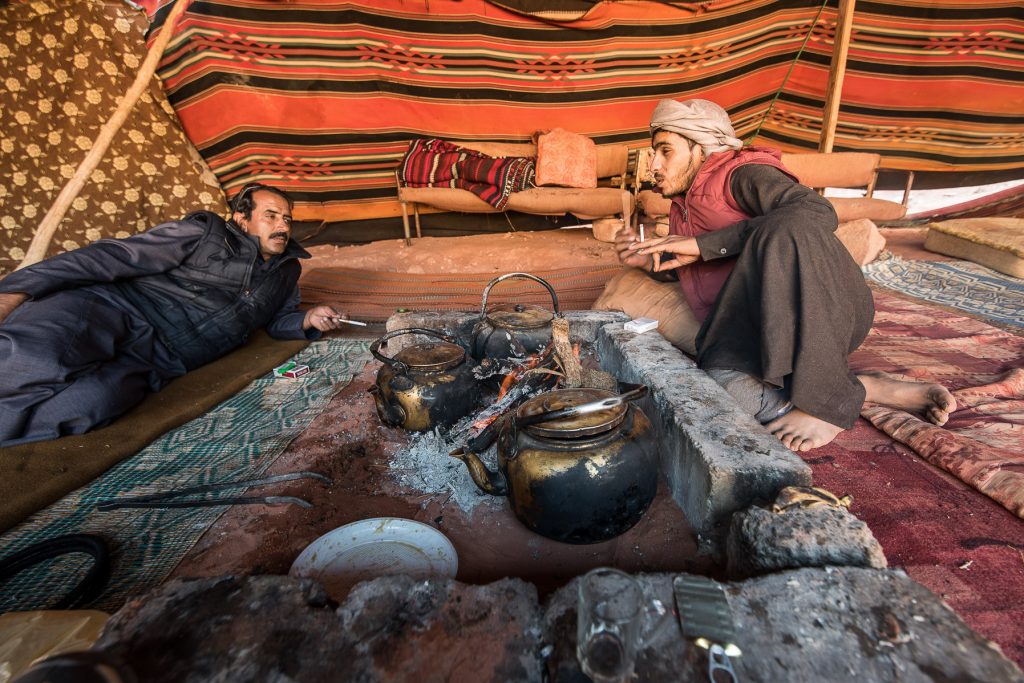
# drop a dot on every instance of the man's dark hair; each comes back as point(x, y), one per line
point(244, 203)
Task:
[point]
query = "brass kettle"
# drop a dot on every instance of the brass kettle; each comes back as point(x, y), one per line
point(577, 465)
point(512, 330)
point(425, 385)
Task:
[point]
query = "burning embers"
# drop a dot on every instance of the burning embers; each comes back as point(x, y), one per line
point(575, 459)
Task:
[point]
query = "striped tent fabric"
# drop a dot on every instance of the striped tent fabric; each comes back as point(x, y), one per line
point(322, 97)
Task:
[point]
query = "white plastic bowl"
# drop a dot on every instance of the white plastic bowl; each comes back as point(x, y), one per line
point(369, 548)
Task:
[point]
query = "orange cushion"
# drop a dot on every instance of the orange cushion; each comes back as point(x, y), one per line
point(834, 169)
point(853, 208)
point(847, 208)
point(566, 159)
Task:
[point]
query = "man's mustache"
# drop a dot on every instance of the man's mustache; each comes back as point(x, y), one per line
point(279, 233)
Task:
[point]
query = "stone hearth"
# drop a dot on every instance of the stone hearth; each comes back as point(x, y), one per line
point(717, 459)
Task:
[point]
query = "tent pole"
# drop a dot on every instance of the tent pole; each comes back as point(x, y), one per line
point(836, 73)
point(48, 226)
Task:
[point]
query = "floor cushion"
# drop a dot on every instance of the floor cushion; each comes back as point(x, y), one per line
point(996, 243)
point(639, 296)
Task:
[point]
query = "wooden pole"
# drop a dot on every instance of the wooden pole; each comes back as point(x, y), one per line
point(830, 117)
point(48, 226)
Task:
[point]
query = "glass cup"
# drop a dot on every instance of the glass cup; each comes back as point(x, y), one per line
point(608, 621)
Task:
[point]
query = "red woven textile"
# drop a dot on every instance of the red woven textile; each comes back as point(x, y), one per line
point(322, 96)
point(436, 163)
point(945, 534)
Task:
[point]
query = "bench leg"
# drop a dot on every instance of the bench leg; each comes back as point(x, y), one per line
point(405, 224)
point(416, 215)
point(627, 212)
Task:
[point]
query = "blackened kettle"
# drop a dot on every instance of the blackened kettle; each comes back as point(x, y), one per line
point(513, 330)
point(425, 385)
point(577, 465)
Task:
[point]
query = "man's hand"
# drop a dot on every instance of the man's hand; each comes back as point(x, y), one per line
point(684, 250)
point(625, 239)
point(8, 302)
point(323, 318)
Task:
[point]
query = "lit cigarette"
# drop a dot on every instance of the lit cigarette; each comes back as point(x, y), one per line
point(641, 232)
point(349, 322)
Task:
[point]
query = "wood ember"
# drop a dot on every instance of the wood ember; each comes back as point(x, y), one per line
point(568, 357)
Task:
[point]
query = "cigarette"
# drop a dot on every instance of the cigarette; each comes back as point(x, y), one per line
point(641, 232)
point(348, 322)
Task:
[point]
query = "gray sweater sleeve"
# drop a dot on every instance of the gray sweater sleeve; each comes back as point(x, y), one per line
point(109, 260)
point(767, 194)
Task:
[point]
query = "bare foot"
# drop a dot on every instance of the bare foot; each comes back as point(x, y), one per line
point(931, 400)
point(800, 431)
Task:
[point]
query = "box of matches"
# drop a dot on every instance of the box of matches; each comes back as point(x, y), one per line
point(291, 370)
point(639, 325)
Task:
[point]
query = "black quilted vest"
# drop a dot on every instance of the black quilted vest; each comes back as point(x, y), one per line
point(206, 307)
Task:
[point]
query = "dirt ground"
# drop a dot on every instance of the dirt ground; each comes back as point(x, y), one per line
point(501, 253)
point(523, 251)
point(348, 443)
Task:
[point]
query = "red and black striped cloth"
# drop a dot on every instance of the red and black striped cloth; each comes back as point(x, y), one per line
point(436, 163)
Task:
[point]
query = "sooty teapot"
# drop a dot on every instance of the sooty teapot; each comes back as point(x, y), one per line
point(512, 330)
point(577, 465)
point(426, 385)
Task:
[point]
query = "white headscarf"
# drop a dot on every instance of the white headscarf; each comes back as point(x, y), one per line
point(702, 121)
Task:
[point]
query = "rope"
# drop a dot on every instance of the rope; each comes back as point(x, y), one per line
point(788, 73)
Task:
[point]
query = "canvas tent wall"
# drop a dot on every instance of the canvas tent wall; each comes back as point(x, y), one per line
point(64, 66)
point(322, 96)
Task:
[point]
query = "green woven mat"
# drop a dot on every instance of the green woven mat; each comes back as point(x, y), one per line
point(239, 439)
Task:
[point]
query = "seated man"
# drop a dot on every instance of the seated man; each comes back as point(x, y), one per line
point(84, 335)
point(782, 303)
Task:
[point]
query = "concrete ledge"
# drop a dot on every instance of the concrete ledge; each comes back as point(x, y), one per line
point(717, 459)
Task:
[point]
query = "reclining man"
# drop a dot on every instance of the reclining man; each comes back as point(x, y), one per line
point(86, 334)
point(782, 303)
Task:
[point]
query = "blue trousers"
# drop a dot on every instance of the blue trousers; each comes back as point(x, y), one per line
point(70, 362)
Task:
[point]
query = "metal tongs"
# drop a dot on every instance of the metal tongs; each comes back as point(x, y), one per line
point(634, 392)
point(164, 499)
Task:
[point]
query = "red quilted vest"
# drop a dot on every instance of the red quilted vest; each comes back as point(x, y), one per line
point(708, 206)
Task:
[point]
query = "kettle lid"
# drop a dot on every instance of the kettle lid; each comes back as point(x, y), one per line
point(519, 316)
point(432, 356)
point(588, 424)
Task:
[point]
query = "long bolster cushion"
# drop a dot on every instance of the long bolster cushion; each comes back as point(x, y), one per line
point(847, 208)
point(554, 201)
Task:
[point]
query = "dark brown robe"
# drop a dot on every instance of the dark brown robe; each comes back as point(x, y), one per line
point(795, 305)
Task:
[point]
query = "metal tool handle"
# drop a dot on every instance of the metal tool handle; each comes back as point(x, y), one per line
point(398, 365)
point(637, 391)
point(718, 660)
point(521, 276)
point(106, 506)
point(150, 499)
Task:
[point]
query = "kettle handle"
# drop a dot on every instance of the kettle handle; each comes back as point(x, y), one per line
point(398, 365)
point(521, 276)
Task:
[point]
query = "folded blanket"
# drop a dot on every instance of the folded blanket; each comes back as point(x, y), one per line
point(981, 444)
point(436, 163)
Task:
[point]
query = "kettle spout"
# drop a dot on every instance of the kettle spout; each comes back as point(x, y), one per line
point(488, 481)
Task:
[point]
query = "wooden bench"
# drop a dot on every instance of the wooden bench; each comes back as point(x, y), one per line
point(611, 199)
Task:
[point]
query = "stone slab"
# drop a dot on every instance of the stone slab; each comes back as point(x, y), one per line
point(717, 459)
point(832, 624)
point(275, 628)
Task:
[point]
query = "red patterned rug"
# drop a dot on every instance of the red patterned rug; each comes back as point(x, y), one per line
point(945, 534)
